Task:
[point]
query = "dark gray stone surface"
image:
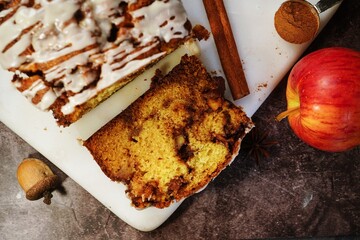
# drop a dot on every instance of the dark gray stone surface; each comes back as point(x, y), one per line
point(296, 192)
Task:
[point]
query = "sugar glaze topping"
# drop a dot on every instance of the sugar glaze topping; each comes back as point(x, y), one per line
point(83, 46)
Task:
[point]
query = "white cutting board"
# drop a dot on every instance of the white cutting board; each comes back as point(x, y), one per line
point(266, 59)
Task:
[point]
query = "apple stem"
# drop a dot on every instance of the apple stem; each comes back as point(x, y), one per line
point(287, 113)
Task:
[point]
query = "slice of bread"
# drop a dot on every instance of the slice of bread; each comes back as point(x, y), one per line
point(172, 141)
point(69, 56)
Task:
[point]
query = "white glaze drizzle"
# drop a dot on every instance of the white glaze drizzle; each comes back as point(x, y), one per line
point(33, 89)
point(53, 32)
point(156, 12)
point(47, 99)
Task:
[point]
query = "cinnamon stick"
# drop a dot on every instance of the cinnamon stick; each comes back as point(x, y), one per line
point(226, 46)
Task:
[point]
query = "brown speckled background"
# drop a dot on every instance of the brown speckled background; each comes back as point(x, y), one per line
point(296, 192)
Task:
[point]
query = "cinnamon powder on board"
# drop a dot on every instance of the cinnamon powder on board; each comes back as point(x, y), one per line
point(296, 21)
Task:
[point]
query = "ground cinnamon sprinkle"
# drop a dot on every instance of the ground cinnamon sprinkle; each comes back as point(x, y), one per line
point(296, 21)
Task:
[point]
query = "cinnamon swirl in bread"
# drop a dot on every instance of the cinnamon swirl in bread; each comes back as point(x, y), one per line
point(70, 55)
point(173, 140)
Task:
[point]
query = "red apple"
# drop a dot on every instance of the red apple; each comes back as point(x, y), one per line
point(323, 99)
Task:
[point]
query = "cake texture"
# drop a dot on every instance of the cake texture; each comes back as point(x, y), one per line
point(174, 139)
point(70, 55)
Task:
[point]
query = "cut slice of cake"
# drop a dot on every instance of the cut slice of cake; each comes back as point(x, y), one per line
point(70, 55)
point(174, 139)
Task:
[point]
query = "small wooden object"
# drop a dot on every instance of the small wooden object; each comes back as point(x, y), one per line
point(226, 46)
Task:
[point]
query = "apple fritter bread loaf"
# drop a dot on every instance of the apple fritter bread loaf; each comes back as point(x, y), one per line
point(173, 140)
point(70, 55)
